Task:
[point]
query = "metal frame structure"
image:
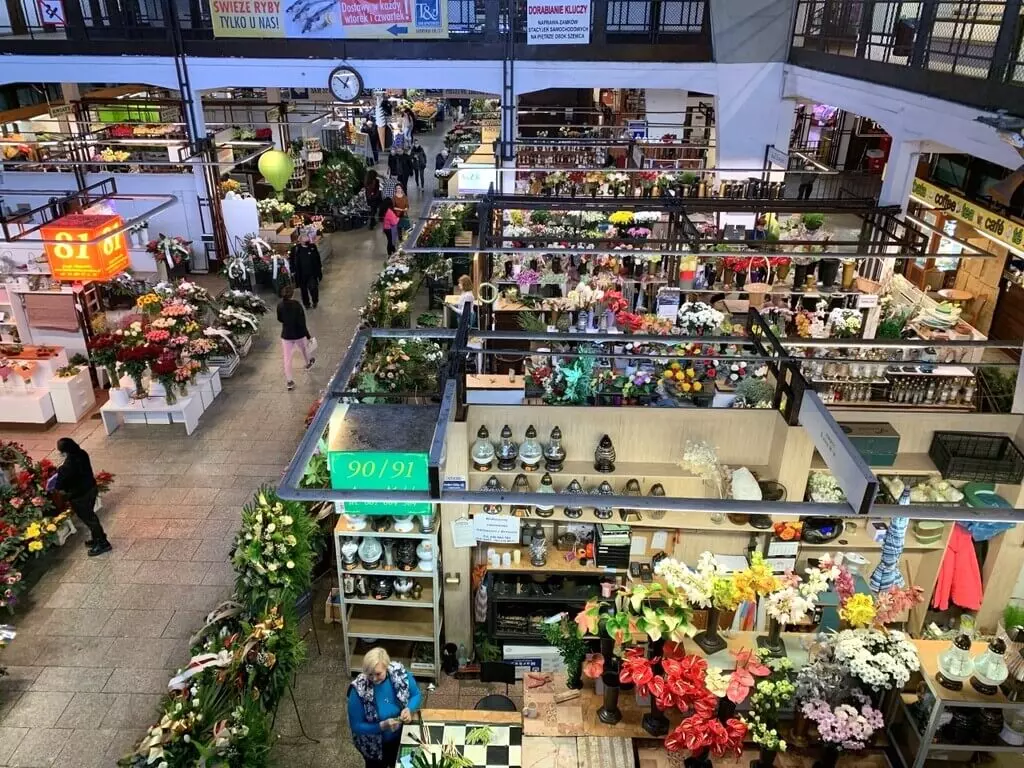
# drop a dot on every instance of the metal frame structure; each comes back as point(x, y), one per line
point(799, 403)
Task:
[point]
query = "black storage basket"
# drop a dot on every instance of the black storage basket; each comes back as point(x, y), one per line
point(977, 456)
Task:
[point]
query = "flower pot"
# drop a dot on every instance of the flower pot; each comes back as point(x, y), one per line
point(800, 276)
point(782, 272)
point(848, 275)
point(827, 271)
point(773, 641)
point(709, 640)
point(574, 678)
point(766, 759)
point(700, 760)
point(740, 279)
point(829, 757)
point(609, 713)
point(655, 723)
point(118, 397)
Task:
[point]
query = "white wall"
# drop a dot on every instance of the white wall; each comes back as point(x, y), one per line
point(666, 111)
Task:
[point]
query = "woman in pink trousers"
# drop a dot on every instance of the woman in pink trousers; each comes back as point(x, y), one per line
point(294, 333)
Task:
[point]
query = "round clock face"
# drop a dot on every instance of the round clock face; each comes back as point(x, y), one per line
point(345, 84)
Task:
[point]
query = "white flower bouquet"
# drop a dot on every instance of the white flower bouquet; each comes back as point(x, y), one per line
point(844, 323)
point(881, 660)
point(695, 318)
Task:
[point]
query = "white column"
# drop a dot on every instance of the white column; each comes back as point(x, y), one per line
point(71, 94)
point(899, 172)
point(507, 182)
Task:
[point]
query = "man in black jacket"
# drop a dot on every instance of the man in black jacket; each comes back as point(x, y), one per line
point(76, 480)
point(307, 270)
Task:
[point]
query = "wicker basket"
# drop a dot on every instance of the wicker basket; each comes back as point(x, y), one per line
point(867, 286)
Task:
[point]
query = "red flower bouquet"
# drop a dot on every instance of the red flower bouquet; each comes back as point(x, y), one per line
point(614, 302)
point(628, 322)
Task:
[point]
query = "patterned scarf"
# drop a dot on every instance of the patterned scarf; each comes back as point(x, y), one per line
point(369, 745)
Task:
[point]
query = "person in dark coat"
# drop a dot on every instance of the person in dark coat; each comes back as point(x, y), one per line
point(370, 129)
point(75, 479)
point(441, 158)
point(307, 270)
point(294, 333)
point(373, 195)
point(403, 167)
point(419, 162)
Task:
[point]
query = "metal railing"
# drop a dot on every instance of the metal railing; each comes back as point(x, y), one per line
point(628, 23)
point(915, 41)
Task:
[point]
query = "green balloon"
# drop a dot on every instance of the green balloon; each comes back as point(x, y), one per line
point(276, 167)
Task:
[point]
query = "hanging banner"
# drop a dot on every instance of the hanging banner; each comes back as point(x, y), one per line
point(557, 23)
point(1009, 232)
point(333, 19)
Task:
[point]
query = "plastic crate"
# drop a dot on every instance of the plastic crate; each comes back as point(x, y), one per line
point(977, 456)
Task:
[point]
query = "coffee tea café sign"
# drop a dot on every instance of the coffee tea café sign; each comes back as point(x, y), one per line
point(1006, 231)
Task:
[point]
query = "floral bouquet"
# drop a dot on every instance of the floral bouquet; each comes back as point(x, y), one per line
point(246, 300)
point(406, 365)
point(695, 318)
point(621, 219)
point(639, 384)
point(844, 323)
point(173, 250)
point(163, 369)
point(614, 302)
point(134, 361)
point(103, 352)
point(878, 660)
point(847, 726)
point(273, 550)
point(201, 350)
point(149, 303)
point(239, 321)
point(628, 322)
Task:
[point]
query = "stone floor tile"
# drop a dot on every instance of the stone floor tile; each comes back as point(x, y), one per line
point(86, 748)
point(118, 572)
point(39, 748)
point(144, 549)
point(107, 595)
point(67, 595)
point(74, 679)
point(145, 653)
point(124, 743)
point(18, 678)
point(10, 738)
point(172, 573)
point(86, 710)
point(132, 680)
point(132, 710)
point(137, 623)
point(80, 622)
point(213, 550)
point(185, 623)
point(220, 574)
point(74, 651)
point(180, 530)
point(38, 709)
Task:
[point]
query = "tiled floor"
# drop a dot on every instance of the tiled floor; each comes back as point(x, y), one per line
point(98, 638)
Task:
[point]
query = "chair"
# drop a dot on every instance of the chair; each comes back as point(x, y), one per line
point(497, 672)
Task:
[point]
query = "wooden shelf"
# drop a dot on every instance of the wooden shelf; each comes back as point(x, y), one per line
point(398, 650)
point(342, 528)
point(645, 473)
point(426, 600)
point(391, 622)
point(928, 652)
point(861, 539)
point(697, 521)
point(415, 573)
point(556, 563)
point(906, 464)
point(920, 407)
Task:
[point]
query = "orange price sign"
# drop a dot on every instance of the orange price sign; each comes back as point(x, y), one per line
point(78, 250)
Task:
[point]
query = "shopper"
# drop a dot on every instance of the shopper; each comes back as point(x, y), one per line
point(307, 269)
point(403, 167)
point(372, 190)
point(401, 205)
point(467, 300)
point(419, 163)
point(609, 159)
point(373, 135)
point(441, 158)
point(294, 333)
point(408, 125)
point(806, 180)
point(389, 223)
point(75, 479)
point(380, 701)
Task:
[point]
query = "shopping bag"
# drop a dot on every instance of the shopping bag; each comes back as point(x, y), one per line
point(311, 346)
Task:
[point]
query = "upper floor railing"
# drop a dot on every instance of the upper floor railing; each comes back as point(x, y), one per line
point(970, 52)
point(624, 30)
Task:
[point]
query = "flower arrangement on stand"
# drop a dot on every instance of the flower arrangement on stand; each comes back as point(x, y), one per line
point(846, 726)
point(695, 318)
point(174, 250)
point(792, 603)
point(771, 694)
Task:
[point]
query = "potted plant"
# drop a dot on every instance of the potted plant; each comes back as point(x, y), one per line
point(568, 639)
point(845, 726)
point(767, 739)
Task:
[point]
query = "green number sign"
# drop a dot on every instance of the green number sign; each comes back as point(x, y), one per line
point(380, 471)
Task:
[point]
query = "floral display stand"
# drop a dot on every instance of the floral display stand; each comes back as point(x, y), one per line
point(186, 410)
point(73, 396)
point(225, 364)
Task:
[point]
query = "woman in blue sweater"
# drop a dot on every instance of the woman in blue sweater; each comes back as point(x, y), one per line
point(380, 701)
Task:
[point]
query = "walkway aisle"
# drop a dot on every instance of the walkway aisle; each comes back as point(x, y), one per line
point(98, 638)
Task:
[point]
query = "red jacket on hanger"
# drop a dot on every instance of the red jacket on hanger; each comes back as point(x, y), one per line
point(959, 577)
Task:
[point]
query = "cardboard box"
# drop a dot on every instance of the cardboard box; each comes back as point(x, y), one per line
point(533, 658)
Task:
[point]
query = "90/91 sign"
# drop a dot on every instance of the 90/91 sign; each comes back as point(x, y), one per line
point(380, 471)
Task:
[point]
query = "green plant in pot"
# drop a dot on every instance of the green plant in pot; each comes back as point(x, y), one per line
point(567, 637)
point(813, 221)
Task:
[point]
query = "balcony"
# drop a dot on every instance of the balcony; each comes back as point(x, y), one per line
point(968, 52)
point(620, 30)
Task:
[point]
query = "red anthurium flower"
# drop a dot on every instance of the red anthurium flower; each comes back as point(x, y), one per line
point(593, 665)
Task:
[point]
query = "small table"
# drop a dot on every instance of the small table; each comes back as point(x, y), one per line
point(956, 296)
point(186, 410)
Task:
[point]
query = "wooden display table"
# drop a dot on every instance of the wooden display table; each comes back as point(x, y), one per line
point(186, 410)
point(495, 390)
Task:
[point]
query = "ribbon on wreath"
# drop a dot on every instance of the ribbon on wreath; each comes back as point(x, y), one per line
point(275, 260)
point(238, 269)
point(167, 252)
point(224, 334)
point(197, 664)
point(242, 316)
point(226, 610)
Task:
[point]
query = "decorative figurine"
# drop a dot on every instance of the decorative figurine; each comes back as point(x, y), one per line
point(404, 524)
point(370, 552)
point(350, 554)
point(538, 553)
point(425, 552)
point(574, 489)
point(493, 485)
point(554, 454)
point(403, 586)
point(507, 452)
point(632, 489)
point(381, 587)
point(417, 591)
point(546, 486)
point(657, 490)
point(483, 451)
point(530, 452)
point(604, 456)
point(405, 554)
point(520, 485)
point(604, 513)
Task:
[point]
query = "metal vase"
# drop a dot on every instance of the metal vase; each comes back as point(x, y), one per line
point(773, 640)
point(609, 713)
point(708, 639)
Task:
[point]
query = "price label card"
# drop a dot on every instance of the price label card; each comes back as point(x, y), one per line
point(783, 548)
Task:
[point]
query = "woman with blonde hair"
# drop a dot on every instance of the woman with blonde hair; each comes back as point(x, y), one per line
point(467, 299)
point(380, 701)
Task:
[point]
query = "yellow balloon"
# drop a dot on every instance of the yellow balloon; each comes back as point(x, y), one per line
point(276, 167)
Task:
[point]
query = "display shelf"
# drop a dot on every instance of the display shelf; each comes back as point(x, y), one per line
point(582, 470)
point(391, 622)
point(556, 563)
point(391, 571)
point(342, 528)
point(671, 519)
point(862, 539)
point(919, 408)
point(399, 650)
point(426, 600)
point(905, 464)
point(929, 650)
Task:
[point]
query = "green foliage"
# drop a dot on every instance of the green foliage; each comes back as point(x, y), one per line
point(540, 217)
point(317, 474)
point(892, 324)
point(531, 322)
point(999, 386)
point(755, 391)
point(486, 649)
point(565, 636)
point(813, 221)
point(1013, 616)
point(688, 177)
point(78, 359)
point(482, 735)
point(428, 320)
